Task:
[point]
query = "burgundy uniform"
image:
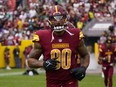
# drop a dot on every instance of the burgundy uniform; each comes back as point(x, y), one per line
point(64, 48)
point(107, 65)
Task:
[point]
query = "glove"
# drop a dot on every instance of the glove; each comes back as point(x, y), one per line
point(79, 73)
point(105, 59)
point(50, 64)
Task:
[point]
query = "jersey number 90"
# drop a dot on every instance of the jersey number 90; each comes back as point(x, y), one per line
point(64, 57)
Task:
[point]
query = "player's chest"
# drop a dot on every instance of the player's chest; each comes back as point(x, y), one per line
point(60, 43)
point(108, 51)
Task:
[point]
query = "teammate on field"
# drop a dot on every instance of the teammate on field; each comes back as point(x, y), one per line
point(107, 57)
point(60, 46)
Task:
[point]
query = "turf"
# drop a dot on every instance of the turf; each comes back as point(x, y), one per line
point(19, 80)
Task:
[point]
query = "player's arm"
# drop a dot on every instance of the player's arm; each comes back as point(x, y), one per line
point(33, 59)
point(101, 58)
point(84, 54)
point(34, 62)
point(101, 53)
point(80, 72)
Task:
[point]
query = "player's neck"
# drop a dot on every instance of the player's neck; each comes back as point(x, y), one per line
point(59, 33)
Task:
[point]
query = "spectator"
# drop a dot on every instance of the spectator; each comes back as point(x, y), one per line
point(16, 53)
point(32, 12)
point(10, 39)
point(7, 57)
point(29, 71)
point(31, 24)
point(23, 16)
point(20, 24)
point(91, 15)
point(24, 36)
point(80, 24)
point(19, 2)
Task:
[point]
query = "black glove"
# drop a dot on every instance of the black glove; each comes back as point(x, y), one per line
point(79, 73)
point(50, 64)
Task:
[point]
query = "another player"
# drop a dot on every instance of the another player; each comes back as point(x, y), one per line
point(107, 57)
point(60, 47)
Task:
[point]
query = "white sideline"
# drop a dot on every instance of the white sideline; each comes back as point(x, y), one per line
point(10, 73)
point(19, 73)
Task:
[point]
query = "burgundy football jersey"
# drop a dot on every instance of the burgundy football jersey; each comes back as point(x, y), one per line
point(63, 47)
point(104, 51)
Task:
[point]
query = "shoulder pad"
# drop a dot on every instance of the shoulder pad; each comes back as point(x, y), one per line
point(35, 38)
point(80, 35)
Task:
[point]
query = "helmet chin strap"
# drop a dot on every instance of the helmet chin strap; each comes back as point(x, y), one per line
point(62, 30)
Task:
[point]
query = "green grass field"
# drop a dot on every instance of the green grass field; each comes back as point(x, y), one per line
point(14, 78)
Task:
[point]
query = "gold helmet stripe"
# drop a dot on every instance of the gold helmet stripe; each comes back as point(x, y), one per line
point(56, 9)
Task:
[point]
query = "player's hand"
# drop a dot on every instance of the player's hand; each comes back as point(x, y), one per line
point(50, 64)
point(79, 73)
point(105, 59)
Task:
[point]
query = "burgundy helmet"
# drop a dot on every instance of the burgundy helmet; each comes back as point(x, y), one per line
point(57, 16)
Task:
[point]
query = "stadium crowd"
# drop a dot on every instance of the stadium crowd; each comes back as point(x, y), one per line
point(21, 22)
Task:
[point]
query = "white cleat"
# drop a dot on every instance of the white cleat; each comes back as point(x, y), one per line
point(8, 68)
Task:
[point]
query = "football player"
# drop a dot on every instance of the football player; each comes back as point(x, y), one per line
point(107, 57)
point(60, 46)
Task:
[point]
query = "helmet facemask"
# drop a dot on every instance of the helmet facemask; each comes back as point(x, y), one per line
point(58, 22)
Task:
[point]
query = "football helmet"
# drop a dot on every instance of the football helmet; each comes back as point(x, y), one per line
point(57, 18)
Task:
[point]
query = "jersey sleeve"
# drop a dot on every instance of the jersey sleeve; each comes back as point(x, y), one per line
point(100, 49)
point(35, 38)
point(81, 36)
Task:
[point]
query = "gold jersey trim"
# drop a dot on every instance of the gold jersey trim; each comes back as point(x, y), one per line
point(35, 38)
point(108, 53)
point(81, 35)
